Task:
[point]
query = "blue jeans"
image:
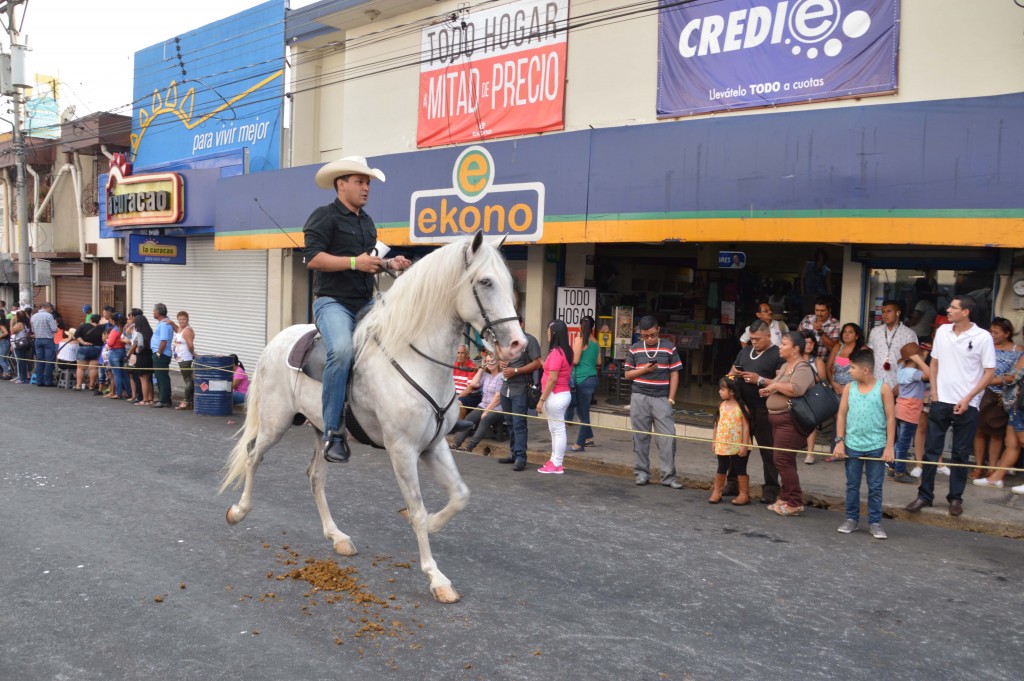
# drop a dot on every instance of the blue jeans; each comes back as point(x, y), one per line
point(116, 359)
point(581, 398)
point(237, 397)
point(875, 473)
point(5, 349)
point(940, 418)
point(23, 358)
point(336, 324)
point(46, 358)
point(905, 432)
point(515, 417)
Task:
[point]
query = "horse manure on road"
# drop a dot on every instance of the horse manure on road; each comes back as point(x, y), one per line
point(332, 584)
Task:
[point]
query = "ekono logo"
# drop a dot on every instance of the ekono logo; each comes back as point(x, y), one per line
point(796, 23)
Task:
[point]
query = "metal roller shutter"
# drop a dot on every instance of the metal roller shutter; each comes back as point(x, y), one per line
point(224, 293)
point(71, 294)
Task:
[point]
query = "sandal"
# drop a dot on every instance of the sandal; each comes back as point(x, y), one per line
point(589, 443)
point(774, 506)
point(576, 448)
point(787, 510)
point(143, 404)
point(182, 407)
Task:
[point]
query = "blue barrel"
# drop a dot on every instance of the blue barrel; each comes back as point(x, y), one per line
point(213, 385)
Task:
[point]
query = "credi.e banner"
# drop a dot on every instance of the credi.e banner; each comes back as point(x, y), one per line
point(493, 73)
point(735, 54)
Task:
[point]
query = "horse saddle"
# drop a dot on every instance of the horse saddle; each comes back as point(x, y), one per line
point(309, 355)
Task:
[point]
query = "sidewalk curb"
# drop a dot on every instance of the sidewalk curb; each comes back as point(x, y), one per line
point(935, 517)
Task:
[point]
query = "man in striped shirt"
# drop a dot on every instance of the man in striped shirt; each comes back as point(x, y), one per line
point(653, 366)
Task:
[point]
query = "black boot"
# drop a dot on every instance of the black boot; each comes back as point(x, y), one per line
point(336, 447)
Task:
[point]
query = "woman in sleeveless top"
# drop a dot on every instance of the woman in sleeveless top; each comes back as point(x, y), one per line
point(810, 355)
point(993, 419)
point(583, 381)
point(184, 353)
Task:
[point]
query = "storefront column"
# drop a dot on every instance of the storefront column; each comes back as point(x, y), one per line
point(539, 308)
point(851, 295)
point(279, 291)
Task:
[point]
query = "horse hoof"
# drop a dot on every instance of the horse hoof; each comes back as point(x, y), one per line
point(446, 594)
point(345, 547)
point(404, 512)
point(231, 516)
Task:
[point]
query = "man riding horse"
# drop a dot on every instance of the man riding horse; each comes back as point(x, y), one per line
point(340, 241)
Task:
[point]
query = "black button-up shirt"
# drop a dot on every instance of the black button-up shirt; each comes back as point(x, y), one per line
point(335, 230)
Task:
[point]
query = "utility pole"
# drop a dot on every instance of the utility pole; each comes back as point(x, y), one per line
point(18, 69)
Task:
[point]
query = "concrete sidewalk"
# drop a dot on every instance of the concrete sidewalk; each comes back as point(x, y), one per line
point(997, 512)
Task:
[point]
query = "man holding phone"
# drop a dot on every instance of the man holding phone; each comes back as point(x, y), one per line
point(653, 366)
point(755, 363)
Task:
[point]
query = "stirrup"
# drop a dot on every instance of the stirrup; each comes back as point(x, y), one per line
point(336, 447)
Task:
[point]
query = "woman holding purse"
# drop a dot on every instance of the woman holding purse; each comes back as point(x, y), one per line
point(793, 379)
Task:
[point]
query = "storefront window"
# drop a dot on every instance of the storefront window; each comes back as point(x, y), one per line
point(924, 294)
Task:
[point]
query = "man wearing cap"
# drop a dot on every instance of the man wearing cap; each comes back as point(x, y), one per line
point(339, 242)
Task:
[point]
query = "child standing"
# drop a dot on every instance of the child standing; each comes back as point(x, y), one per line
point(910, 378)
point(731, 442)
point(865, 429)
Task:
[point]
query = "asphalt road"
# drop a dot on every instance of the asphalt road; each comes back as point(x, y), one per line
point(106, 507)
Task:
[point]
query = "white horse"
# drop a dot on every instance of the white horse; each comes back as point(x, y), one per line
point(427, 307)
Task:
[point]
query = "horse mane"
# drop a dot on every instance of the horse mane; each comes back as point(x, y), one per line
point(424, 296)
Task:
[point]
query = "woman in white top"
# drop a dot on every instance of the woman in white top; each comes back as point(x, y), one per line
point(184, 353)
point(775, 327)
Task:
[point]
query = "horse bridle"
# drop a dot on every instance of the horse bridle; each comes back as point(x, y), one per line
point(439, 411)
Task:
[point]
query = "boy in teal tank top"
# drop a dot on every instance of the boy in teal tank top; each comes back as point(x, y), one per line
point(865, 429)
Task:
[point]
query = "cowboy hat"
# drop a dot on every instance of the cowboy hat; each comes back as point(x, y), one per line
point(350, 165)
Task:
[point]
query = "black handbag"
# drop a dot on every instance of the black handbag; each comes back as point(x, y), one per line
point(814, 407)
point(23, 343)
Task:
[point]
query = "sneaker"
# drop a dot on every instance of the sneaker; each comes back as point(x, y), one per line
point(641, 480)
point(985, 482)
point(876, 531)
point(916, 473)
point(848, 526)
point(905, 479)
point(809, 459)
point(942, 470)
point(550, 468)
point(673, 483)
point(1019, 489)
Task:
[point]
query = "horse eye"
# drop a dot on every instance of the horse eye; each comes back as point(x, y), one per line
point(485, 282)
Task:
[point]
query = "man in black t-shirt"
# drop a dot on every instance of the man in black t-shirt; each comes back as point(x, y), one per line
point(756, 362)
point(339, 239)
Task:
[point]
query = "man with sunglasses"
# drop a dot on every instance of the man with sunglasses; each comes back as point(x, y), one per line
point(653, 365)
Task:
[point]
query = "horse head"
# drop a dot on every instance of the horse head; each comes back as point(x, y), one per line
point(488, 302)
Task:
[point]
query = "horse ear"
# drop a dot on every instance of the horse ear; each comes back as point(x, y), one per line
point(501, 241)
point(478, 240)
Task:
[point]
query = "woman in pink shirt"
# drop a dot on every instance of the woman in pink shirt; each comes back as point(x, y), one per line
point(239, 382)
point(555, 396)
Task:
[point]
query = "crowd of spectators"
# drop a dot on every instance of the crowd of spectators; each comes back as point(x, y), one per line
point(113, 355)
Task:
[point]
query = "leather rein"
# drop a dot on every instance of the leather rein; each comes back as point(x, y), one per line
point(439, 411)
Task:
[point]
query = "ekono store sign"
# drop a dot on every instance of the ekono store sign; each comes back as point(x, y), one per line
point(475, 203)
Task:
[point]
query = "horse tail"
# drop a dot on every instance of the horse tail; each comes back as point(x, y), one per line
point(234, 471)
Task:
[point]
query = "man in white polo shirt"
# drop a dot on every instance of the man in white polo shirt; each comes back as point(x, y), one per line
point(963, 364)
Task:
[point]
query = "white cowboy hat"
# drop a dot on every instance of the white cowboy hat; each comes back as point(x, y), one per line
point(350, 165)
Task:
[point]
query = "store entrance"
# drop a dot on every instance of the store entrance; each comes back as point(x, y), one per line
point(704, 295)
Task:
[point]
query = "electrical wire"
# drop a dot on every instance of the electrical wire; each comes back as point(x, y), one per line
point(401, 59)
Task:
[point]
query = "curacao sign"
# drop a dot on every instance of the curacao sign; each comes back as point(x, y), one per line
point(474, 203)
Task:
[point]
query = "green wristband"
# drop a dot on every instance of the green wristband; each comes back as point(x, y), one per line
point(352, 262)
